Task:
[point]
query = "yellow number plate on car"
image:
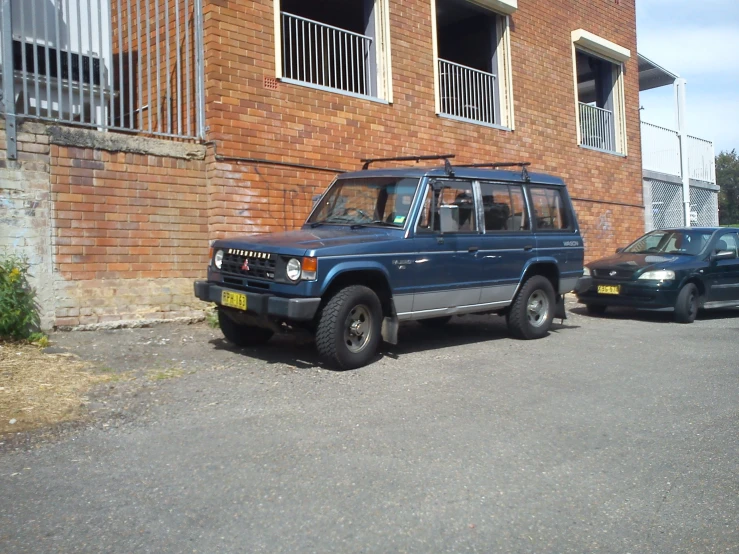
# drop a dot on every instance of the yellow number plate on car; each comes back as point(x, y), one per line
point(233, 300)
point(609, 289)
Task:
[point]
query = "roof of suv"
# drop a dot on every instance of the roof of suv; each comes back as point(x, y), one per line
point(458, 171)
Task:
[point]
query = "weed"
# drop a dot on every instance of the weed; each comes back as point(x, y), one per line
point(211, 317)
point(38, 339)
point(166, 374)
point(18, 313)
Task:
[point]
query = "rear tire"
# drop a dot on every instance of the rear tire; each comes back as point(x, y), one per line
point(596, 309)
point(242, 335)
point(686, 307)
point(435, 322)
point(532, 311)
point(349, 328)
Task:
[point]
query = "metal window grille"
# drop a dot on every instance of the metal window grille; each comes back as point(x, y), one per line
point(124, 65)
point(327, 56)
point(667, 205)
point(467, 93)
point(597, 128)
point(703, 207)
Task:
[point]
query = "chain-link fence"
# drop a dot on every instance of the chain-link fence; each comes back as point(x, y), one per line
point(665, 205)
point(703, 207)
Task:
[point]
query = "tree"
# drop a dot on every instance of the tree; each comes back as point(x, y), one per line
point(727, 177)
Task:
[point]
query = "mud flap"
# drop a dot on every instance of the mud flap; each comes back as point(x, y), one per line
point(559, 310)
point(390, 330)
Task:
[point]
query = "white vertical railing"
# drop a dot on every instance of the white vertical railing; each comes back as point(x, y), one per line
point(466, 92)
point(660, 149)
point(326, 56)
point(596, 128)
point(701, 160)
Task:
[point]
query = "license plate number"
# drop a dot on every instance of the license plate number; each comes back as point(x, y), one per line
point(233, 300)
point(609, 289)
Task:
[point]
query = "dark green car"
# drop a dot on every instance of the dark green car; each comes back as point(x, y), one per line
point(682, 269)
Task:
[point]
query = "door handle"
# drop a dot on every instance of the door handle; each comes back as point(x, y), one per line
point(473, 249)
point(528, 247)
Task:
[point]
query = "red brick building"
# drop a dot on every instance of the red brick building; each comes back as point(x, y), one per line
point(294, 91)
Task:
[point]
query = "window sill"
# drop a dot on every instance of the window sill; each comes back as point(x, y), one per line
point(333, 90)
point(594, 149)
point(473, 122)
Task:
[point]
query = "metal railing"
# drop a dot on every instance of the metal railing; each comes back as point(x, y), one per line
point(467, 93)
point(597, 128)
point(660, 149)
point(124, 65)
point(701, 159)
point(327, 56)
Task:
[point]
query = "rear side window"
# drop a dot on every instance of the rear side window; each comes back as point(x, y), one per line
point(504, 207)
point(455, 193)
point(548, 209)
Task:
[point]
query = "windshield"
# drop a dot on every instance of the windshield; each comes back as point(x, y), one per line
point(382, 201)
point(689, 243)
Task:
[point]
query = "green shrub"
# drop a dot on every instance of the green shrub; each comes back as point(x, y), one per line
point(18, 314)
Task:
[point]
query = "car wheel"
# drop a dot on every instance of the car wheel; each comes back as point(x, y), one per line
point(435, 322)
point(596, 309)
point(532, 311)
point(242, 335)
point(686, 307)
point(349, 326)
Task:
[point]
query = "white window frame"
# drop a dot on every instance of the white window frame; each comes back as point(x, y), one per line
point(384, 77)
point(501, 8)
point(599, 47)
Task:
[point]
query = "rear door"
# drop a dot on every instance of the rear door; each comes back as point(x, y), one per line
point(507, 243)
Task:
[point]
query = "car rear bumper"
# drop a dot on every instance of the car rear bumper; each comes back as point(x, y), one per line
point(647, 295)
point(293, 309)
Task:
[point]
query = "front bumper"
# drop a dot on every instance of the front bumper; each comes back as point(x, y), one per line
point(648, 295)
point(293, 309)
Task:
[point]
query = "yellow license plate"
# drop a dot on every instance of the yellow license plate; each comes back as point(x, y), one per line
point(609, 289)
point(233, 300)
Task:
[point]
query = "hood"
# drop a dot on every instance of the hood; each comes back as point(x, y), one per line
point(297, 243)
point(626, 264)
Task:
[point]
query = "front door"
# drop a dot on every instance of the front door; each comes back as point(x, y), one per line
point(724, 274)
point(447, 266)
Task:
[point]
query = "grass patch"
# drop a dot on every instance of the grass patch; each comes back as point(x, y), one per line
point(164, 374)
point(211, 318)
point(38, 389)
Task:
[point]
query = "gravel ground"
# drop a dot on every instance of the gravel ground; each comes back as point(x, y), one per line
point(614, 434)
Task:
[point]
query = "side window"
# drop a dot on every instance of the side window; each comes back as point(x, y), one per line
point(548, 209)
point(459, 197)
point(504, 207)
point(728, 242)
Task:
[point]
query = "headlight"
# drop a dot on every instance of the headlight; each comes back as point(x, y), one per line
point(586, 272)
point(293, 269)
point(218, 259)
point(658, 275)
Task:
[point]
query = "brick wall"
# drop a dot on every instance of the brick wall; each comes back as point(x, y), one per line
point(248, 118)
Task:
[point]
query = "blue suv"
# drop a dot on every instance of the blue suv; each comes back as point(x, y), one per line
point(383, 246)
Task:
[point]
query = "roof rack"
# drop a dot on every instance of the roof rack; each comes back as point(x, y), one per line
point(445, 157)
point(496, 165)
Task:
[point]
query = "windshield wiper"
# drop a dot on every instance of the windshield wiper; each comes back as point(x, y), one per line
point(375, 222)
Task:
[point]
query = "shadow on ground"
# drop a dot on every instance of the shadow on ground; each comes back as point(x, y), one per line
point(661, 316)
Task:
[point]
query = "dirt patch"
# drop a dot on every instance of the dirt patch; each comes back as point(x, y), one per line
point(38, 389)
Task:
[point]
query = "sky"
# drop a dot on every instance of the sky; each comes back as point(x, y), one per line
point(699, 41)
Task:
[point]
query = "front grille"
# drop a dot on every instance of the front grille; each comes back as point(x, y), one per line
point(261, 265)
point(615, 274)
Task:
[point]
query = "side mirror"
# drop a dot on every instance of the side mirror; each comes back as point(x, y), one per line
point(724, 255)
point(449, 218)
point(619, 250)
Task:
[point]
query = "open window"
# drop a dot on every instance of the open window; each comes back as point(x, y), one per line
point(600, 94)
point(473, 60)
point(337, 45)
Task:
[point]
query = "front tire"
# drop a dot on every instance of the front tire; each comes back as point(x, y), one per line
point(242, 335)
point(349, 328)
point(686, 307)
point(532, 311)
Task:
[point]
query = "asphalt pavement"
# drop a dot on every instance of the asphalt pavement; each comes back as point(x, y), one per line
point(615, 434)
